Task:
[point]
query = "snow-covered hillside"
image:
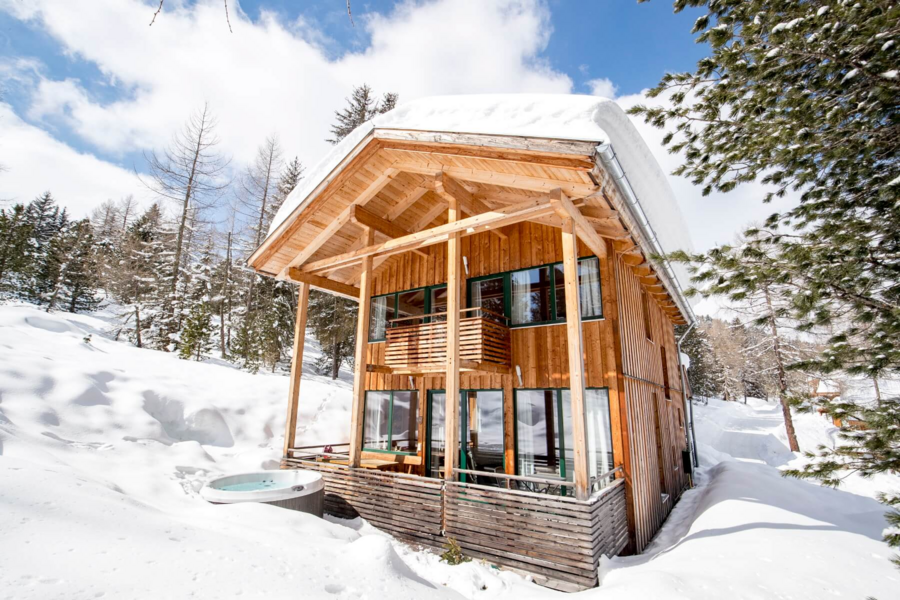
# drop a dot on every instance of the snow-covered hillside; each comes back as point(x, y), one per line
point(103, 448)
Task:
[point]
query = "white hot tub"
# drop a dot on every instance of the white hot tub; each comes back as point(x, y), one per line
point(294, 488)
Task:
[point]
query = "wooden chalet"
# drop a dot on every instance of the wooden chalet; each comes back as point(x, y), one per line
point(517, 384)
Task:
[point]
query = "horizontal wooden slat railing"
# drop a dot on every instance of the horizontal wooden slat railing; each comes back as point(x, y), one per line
point(421, 341)
point(557, 539)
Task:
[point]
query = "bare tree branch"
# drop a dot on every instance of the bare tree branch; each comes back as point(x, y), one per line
point(158, 10)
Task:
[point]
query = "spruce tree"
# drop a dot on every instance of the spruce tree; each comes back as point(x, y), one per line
point(82, 274)
point(16, 249)
point(705, 372)
point(805, 96)
point(196, 338)
point(361, 107)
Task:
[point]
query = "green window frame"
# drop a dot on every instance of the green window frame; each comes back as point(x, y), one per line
point(554, 311)
point(560, 426)
point(390, 421)
point(393, 300)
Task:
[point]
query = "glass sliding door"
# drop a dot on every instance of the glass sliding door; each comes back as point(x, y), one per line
point(481, 434)
point(437, 439)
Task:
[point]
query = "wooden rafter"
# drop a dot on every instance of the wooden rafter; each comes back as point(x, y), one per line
point(449, 189)
point(567, 210)
point(537, 184)
point(406, 201)
point(335, 287)
point(420, 239)
point(366, 218)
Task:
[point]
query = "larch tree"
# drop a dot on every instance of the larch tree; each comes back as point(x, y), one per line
point(805, 97)
point(191, 174)
point(333, 319)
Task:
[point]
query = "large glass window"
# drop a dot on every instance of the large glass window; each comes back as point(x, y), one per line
point(536, 296)
point(530, 296)
point(376, 427)
point(588, 289)
point(599, 432)
point(410, 304)
point(544, 434)
point(488, 294)
point(382, 311)
point(391, 421)
point(402, 305)
point(484, 432)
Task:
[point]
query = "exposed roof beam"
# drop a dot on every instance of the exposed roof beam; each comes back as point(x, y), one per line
point(435, 235)
point(366, 218)
point(405, 202)
point(449, 189)
point(565, 209)
point(537, 184)
point(334, 287)
point(326, 234)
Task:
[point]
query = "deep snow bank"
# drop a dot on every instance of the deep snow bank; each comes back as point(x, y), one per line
point(103, 448)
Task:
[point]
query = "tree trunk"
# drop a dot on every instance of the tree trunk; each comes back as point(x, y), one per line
point(137, 327)
point(877, 390)
point(782, 376)
point(335, 359)
point(224, 298)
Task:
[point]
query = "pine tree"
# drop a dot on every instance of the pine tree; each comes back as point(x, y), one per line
point(81, 279)
point(805, 96)
point(196, 339)
point(361, 106)
point(704, 373)
point(47, 255)
point(333, 321)
point(16, 249)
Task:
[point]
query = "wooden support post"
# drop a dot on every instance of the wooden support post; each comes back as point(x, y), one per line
point(454, 265)
point(576, 359)
point(361, 358)
point(290, 426)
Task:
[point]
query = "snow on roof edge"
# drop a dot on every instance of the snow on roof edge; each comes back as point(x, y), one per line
point(549, 116)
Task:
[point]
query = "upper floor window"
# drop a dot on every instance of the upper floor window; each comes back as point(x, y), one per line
point(537, 295)
point(404, 305)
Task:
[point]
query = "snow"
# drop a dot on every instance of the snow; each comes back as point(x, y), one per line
point(103, 448)
point(552, 116)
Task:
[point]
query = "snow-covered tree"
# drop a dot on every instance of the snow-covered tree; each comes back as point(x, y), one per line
point(805, 96)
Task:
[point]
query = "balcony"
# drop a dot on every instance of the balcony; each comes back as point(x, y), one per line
point(416, 345)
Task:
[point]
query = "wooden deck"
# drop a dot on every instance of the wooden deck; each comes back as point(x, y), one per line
point(558, 540)
point(421, 347)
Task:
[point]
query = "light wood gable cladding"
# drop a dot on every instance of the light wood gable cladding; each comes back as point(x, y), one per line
point(405, 177)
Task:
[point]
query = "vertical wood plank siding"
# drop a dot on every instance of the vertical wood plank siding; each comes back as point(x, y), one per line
point(644, 388)
point(617, 354)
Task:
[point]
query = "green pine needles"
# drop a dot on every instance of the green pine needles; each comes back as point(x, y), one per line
point(804, 97)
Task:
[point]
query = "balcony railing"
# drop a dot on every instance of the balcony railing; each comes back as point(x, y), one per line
point(419, 344)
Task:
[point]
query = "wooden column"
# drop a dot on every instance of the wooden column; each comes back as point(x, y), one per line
point(576, 358)
point(454, 265)
point(359, 360)
point(290, 426)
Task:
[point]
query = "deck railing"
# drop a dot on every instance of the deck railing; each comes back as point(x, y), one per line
point(420, 342)
point(557, 539)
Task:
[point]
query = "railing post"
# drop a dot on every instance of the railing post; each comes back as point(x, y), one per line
point(290, 426)
point(360, 357)
point(451, 414)
point(576, 358)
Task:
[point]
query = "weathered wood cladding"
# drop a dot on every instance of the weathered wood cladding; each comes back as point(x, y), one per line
point(654, 422)
point(559, 540)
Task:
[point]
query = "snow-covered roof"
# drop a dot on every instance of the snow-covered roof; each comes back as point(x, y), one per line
point(549, 116)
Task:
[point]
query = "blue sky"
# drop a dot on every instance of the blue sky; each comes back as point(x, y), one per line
point(88, 87)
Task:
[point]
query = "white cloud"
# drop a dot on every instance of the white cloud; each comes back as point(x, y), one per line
point(603, 87)
point(272, 76)
point(35, 163)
